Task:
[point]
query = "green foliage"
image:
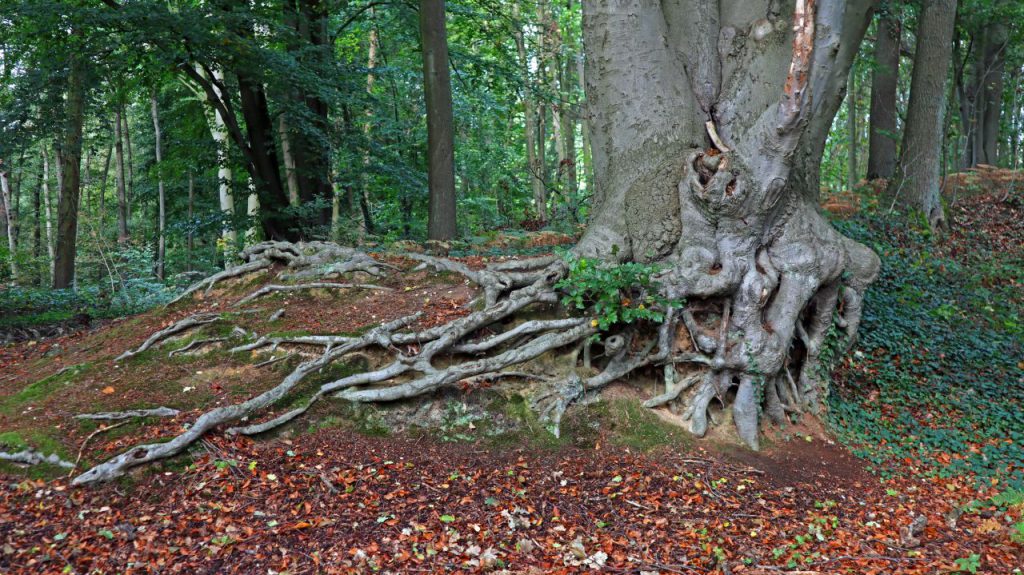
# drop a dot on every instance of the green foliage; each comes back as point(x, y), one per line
point(933, 380)
point(613, 294)
point(969, 564)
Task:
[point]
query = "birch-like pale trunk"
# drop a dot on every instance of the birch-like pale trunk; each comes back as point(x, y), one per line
point(219, 133)
point(291, 176)
point(5, 196)
point(47, 212)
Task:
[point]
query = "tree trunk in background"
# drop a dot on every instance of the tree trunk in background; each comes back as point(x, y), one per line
point(533, 167)
point(712, 169)
point(291, 176)
point(219, 133)
point(851, 108)
point(567, 127)
point(588, 168)
point(884, 81)
point(71, 159)
point(271, 197)
point(990, 96)
point(917, 186)
point(5, 198)
point(119, 174)
point(129, 162)
point(37, 224)
point(437, 90)
point(103, 182)
point(190, 236)
point(48, 213)
point(366, 226)
point(161, 249)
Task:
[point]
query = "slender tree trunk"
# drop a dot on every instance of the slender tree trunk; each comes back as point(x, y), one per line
point(366, 226)
point(71, 159)
point(37, 225)
point(161, 249)
point(917, 185)
point(437, 90)
point(190, 236)
point(5, 196)
point(291, 176)
point(48, 213)
point(851, 99)
point(884, 81)
point(584, 107)
point(533, 168)
point(119, 174)
point(129, 163)
point(103, 183)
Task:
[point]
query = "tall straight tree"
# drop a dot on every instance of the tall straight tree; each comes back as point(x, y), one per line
point(70, 173)
point(437, 91)
point(9, 218)
point(884, 81)
point(161, 247)
point(916, 185)
point(533, 168)
point(119, 174)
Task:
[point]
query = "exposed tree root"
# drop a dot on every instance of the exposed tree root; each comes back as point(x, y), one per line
point(31, 457)
point(195, 344)
point(208, 283)
point(754, 337)
point(176, 328)
point(130, 414)
point(267, 289)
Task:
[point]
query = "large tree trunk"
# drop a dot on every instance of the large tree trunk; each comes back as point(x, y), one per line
point(265, 171)
point(161, 248)
point(990, 97)
point(712, 169)
point(437, 89)
point(916, 186)
point(219, 133)
point(884, 81)
point(71, 160)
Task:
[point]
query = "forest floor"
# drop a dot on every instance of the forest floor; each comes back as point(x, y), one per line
point(919, 468)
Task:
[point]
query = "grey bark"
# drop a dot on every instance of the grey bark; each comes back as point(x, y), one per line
point(119, 174)
point(533, 168)
point(852, 131)
point(161, 249)
point(917, 186)
point(70, 175)
point(991, 97)
point(884, 80)
point(437, 90)
point(737, 226)
point(5, 199)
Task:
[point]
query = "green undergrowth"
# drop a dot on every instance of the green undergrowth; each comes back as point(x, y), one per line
point(936, 380)
point(14, 441)
point(40, 390)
